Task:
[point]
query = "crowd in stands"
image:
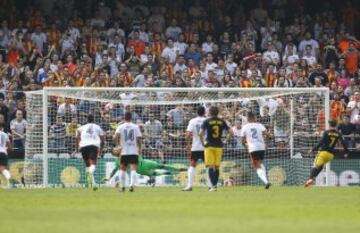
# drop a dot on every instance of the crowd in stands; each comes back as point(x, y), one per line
point(120, 43)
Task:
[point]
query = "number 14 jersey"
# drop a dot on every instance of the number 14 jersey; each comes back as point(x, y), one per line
point(129, 132)
point(254, 136)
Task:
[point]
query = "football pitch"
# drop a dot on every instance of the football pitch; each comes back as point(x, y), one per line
point(168, 210)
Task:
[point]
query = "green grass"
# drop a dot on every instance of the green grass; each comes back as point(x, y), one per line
point(240, 209)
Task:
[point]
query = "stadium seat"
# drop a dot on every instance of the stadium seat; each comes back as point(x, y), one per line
point(38, 156)
point(77, 156)
point(64, 156)
point(52, 156)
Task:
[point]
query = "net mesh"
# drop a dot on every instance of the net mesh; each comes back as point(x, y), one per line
point(294, 117)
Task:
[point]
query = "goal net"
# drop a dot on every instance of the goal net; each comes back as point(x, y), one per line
point(295, 118)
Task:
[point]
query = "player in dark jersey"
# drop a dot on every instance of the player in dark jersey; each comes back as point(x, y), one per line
point(326, 145)
point(210, 135)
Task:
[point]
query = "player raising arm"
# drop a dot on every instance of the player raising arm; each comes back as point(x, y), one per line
point(326, 145)
point(253, 140)
point(5, 147)
point(90, 138)
point(128, 135)
point(210, 136)
point(195, 148)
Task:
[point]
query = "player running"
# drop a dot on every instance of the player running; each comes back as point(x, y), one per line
point(253, 140)
point(194, 148)
point(90, 138)
point(212, 129)
point(146, 167)
point(5, 147)
point(128, 135)
point(326, 144)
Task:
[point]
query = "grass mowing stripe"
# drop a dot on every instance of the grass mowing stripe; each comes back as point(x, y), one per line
point(239, 209)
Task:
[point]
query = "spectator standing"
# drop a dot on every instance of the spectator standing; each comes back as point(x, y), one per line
point(353, 107)
point(4, 123)
point(271, 55)
point(39, 38)
point(309, 41)
point(351, 56)
point(173, 31)
point(347, 129)
point(67, 110)
point(319, 73)
point(18, 129)
point(57, 136)
point(308, 57)
point(170, 51)
point(177, 115)
point(4, 110)
point(153, 135)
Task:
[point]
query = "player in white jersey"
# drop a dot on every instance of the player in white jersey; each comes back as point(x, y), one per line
point(128, 135)
point(5, 147)
point(253, 140)
point(195, 148)
point(90, 138)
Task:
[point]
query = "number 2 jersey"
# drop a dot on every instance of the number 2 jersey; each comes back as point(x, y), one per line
point(90, 135)
point(329, 140)
point(194, 127)
point(214, 128)
point(129, 132)
point(254, 136)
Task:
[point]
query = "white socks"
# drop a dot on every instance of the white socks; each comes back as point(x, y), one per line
point(122, 178)
point(92, 169)
point(261, 172)
point(122, 175)
point(91, 172)
point(191, 174)
point(6, 174)
point(132, 178)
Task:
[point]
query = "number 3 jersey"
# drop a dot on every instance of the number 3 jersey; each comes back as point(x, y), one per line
point(194, 127)
point(129, 132)
point(214, 128)
point(254, 136)
point(90, 135)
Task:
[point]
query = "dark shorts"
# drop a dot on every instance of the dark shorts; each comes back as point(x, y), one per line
point(129, 159)
point(3, 159)
point(258, 155)
point(18, 144)
point(196, 155)
point(89, 152)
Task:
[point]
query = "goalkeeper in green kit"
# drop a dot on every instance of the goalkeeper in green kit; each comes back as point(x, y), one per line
point(146, 167)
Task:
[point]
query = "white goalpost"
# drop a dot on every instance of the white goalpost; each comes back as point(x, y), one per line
point(295, 117)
